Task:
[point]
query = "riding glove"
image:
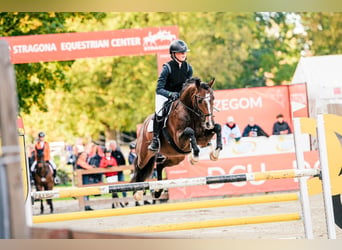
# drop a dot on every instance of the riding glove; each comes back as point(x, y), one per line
point(174, 95)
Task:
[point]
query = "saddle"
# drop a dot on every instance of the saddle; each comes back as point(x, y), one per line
point(165, 115)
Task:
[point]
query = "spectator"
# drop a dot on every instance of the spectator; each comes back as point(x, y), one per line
point(43, 147)
point(230, 131)
point(108, 161)
point(281, 127)
point(132, 154)
point(95, 161)
point(120, 159)
point(81, 163)
point(253, 130)
point(73, 153)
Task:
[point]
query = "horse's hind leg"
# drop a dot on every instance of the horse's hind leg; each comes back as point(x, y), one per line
point(160, 167)
point(41, 207)
point(141, 174)
point(49, 202)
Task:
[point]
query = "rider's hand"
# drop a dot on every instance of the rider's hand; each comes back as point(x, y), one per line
point(174, 95)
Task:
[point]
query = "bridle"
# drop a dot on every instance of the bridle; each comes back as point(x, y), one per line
point(196, 110)
point(40, 167)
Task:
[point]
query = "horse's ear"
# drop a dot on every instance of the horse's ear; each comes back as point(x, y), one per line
point(211, 83)
point(198, 82)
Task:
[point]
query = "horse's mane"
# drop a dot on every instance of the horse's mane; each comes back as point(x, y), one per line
point(189, 82)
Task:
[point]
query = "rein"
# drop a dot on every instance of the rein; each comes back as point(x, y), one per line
point(200, 114)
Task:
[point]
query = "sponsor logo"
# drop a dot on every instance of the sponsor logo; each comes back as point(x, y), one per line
point(158, 41)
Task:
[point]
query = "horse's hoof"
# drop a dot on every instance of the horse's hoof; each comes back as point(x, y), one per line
point(193, 159)
point(214, 155)
point(157, 193)
point(138, 195)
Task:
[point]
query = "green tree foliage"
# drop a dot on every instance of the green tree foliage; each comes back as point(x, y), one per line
point(324, 32)
point(276, 52)
point(219, 44)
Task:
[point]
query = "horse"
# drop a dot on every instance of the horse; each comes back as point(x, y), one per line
point(189, 125)
point(44, 180)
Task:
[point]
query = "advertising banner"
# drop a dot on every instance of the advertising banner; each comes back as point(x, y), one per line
point(298, 100)
point(263, 103)
point(70, 46)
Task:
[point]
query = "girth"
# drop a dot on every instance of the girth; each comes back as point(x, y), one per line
point(172, 143)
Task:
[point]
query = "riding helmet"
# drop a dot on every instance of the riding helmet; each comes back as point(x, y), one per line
point(132, 145)
point(178, 46)
point(41, 134)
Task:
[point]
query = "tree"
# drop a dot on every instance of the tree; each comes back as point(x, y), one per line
point(324, 32)
point(274, 57)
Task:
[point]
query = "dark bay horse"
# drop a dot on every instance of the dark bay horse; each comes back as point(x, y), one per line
point(44, 179)
point(190, 125)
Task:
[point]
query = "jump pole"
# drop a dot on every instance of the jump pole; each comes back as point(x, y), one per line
point(166, 207)
point(208, 223)
point(184, 182)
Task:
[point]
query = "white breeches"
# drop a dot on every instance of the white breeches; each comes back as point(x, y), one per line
point(51, 163)
point(160, 100)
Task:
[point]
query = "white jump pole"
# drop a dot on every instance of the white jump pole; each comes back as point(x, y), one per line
point(304, 194)
point(323, 156)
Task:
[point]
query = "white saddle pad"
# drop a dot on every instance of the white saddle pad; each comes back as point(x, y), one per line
point(150, 126)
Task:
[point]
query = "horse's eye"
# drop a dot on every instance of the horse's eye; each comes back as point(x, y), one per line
point(200, 101)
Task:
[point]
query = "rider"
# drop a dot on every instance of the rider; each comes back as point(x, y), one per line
point(174, 73)
point(43, 146)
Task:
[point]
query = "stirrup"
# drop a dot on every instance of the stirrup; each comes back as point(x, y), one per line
point(154, 145)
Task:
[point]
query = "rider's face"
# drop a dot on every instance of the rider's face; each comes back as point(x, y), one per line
point(181, 56)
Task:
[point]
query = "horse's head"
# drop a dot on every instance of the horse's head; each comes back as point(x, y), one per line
point(201, 95)
point(40, 158)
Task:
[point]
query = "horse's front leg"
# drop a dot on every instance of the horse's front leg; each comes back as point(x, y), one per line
point(215, 153)
point(190, 133)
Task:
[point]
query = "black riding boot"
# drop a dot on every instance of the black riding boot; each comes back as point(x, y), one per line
point(157, 124)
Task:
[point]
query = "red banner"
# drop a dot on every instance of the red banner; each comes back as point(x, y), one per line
point(70, 46)
point(238, 166)
point(299, 100)
point(263, 103)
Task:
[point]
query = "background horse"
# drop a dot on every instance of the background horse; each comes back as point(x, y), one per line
point(43, 177)
point(190, 125)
